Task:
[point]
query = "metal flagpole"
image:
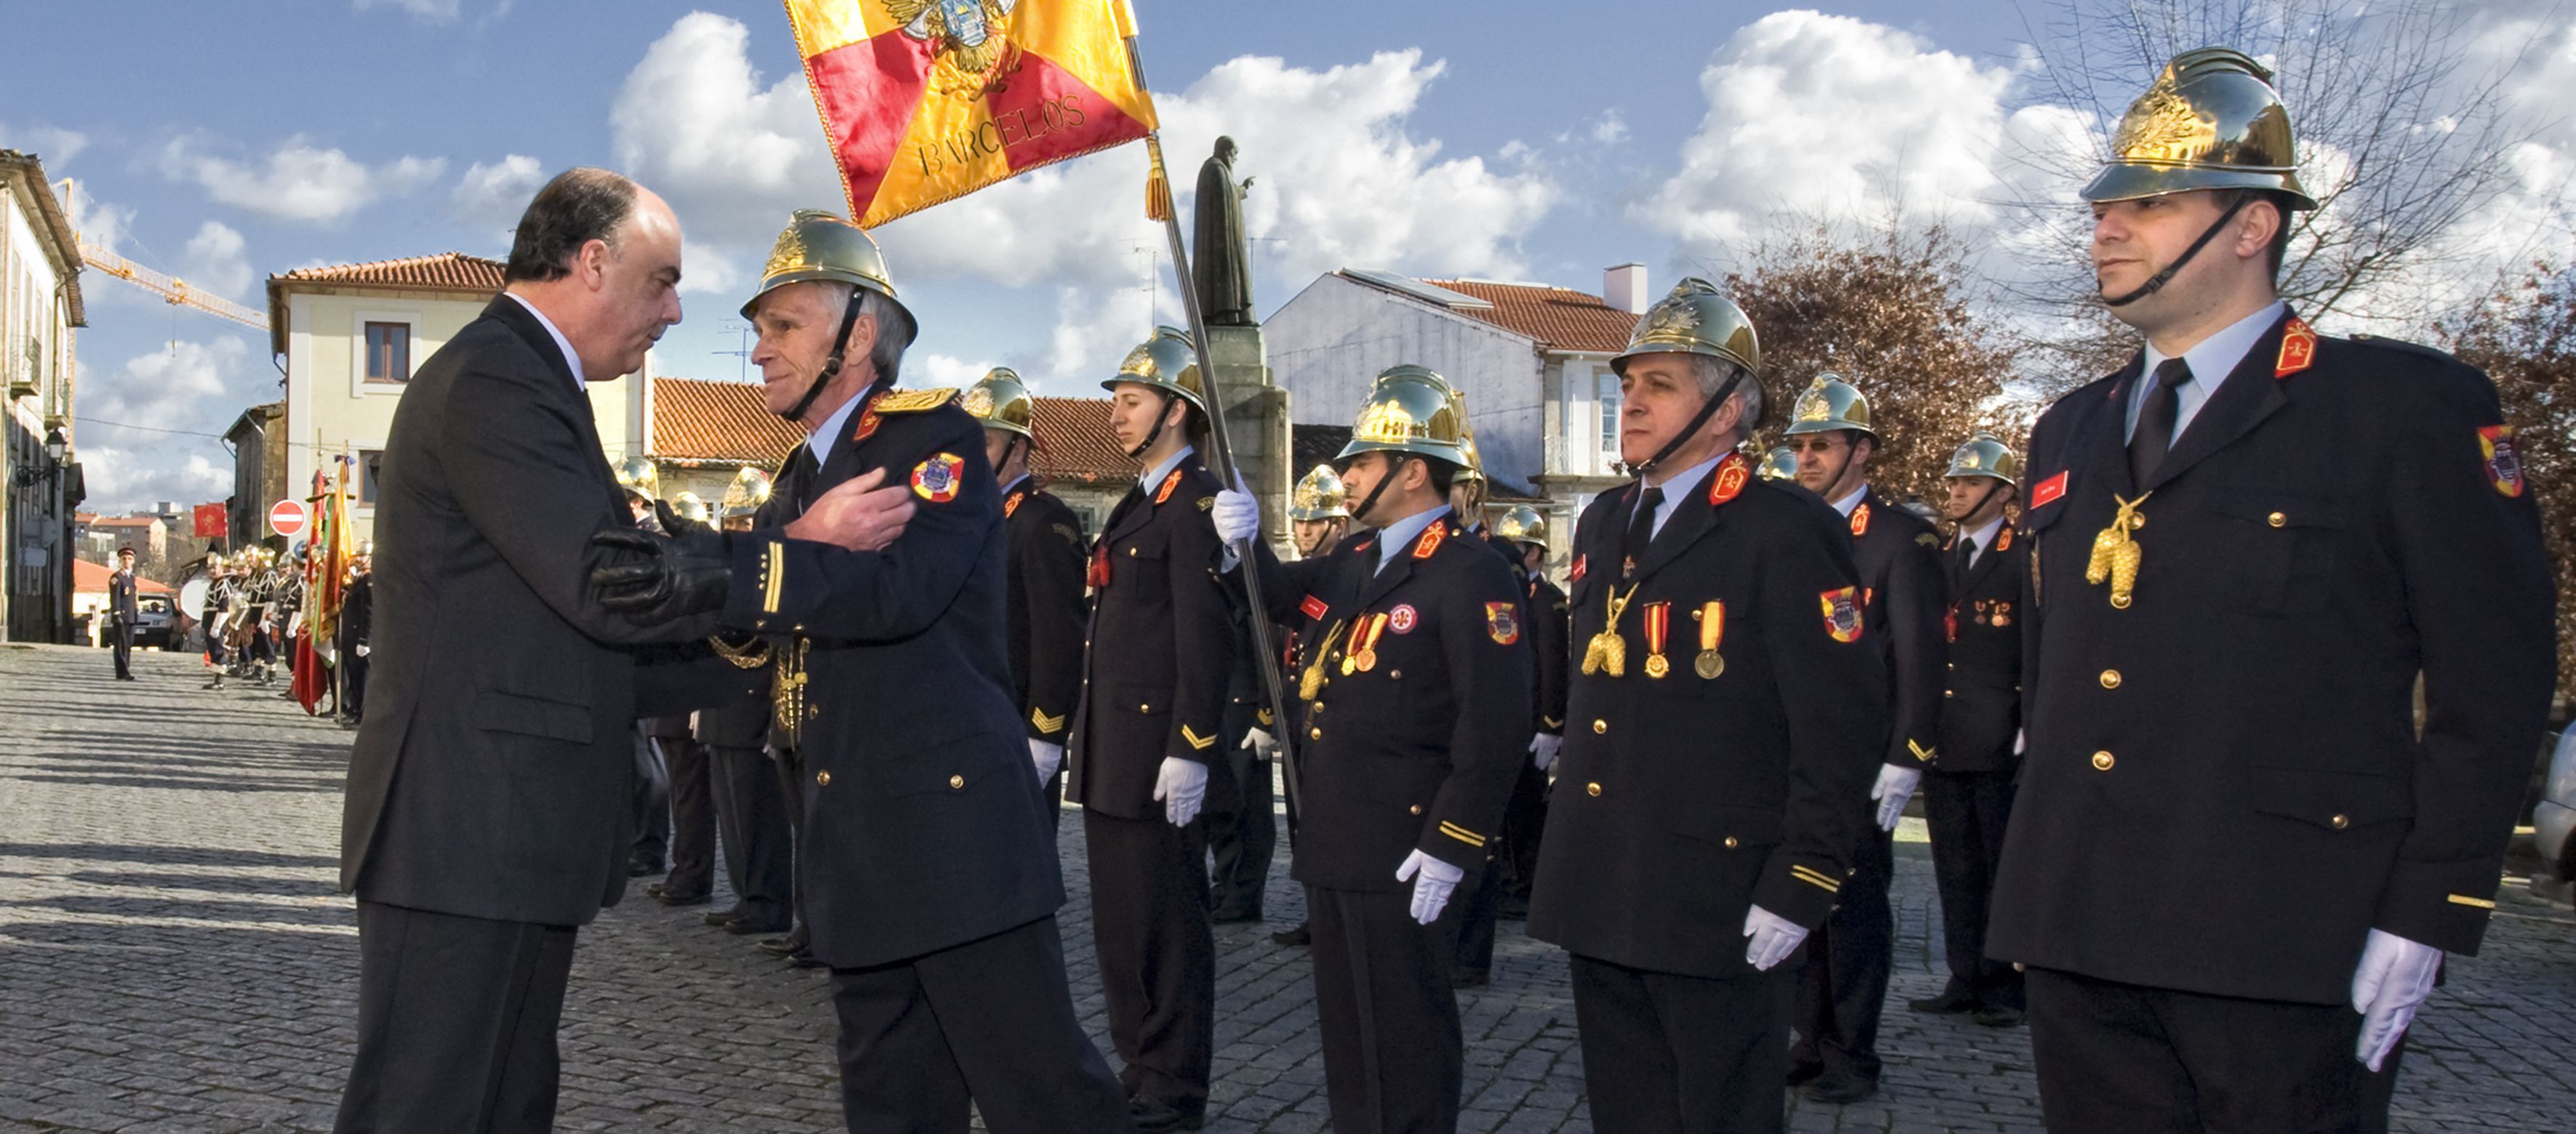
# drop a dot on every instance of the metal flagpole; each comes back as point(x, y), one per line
point(1259, 616)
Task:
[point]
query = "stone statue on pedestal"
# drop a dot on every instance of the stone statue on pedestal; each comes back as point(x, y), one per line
point(1220, 258)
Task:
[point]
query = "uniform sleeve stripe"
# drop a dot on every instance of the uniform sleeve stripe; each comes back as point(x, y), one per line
point(1920, 752)
point(1196, 742)
point(1816, 878)
point(1461, 834)
point(2465, 900)
point(775, 567)
point(1044, 722)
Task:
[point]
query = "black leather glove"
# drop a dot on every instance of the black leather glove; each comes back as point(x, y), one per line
point(657, 578)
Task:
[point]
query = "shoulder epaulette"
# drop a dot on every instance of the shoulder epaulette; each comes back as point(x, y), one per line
point(913, 401)
point(2401, 344)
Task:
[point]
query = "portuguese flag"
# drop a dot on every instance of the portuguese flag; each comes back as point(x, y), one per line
point(924, 101)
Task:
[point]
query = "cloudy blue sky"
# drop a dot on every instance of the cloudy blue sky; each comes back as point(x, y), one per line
point(1506, 140)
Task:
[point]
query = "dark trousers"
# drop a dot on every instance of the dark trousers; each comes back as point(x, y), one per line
point(456, 1022)
point(1524, 820)
point(1665, 1053)
point(1393, 1060)
point(353, 682)
point(120, 640)
point(791, 780)
point(752, 824)
point(1966, 811)
point(1843, 984)
point(1156, 952)
point(989, 1022)
point(1243, 837)
point(652, 803)
point(1475, 908)
point(2122, 1059)
point(693, 817)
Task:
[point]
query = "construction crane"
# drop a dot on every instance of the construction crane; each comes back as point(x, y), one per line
point(172, 290)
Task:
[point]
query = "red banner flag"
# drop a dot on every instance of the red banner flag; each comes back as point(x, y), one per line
point(210, 520)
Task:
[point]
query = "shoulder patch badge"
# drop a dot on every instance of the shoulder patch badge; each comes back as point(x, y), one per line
point(1842, 613)
point(1928, 539)
point(2504, 465)
point(1860, 520)
point(1502, 623)
point(1729, 481)
point(1207, 503)
point(913, 401)
point(1011, 503)
point(2298, 348)
point(1403, 618)
point(1576, 575)
point(1171, 481)
point(2048, 491)
point(1431, 537)
point(1313, 607)
point(936, 479)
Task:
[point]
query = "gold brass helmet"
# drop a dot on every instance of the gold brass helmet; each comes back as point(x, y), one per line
point(1828, 404)
point(1409, 410)
point(2210, 121)
point(639, 476)
point(1166, 362)
point(1694, 318)
point(1318, 496)
point(688, 506)
point(1473, 472)
point(1522, 524)
point(749, 490)
point(1001, 401)
point(819, 245)
point(1782, 464)
point(1986, 455)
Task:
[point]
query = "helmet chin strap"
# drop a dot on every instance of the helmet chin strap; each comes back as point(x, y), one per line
point(1155, 434)
point(2160, 279)
point(1707, 409)
point(1993, 486)
point(831, 365)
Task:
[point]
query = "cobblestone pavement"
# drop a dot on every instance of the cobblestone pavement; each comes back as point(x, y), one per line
point(174, 956)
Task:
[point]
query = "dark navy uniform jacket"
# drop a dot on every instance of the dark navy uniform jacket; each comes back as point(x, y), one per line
point(1981, 696)
point(1681, 800)
point(2225, 787)
point(1045, 608)
point(1901, 595)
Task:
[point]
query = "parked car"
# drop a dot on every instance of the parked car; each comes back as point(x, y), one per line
point(153, 630)
point(2553, 822)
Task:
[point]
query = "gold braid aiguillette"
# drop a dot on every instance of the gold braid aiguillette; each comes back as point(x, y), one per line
point(1608, 652)
point(2116, 553)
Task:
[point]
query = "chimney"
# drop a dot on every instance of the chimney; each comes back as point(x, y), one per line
point(1624, 287)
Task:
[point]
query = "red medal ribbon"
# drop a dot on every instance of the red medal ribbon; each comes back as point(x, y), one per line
point(1659, 625)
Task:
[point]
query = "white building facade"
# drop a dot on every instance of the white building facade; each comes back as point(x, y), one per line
point(40, 483)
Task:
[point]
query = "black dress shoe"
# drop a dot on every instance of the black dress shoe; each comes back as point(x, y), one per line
point(642, 868)
point(1804, 1073)
point(1298, 934)
point(747, 926)
point(787, 946)
point(1996, 1016)
point(664, 894)
point(722, 917)
point(1154, 1115)
point(804, 959)
point(1840, 1089)
point(1953, 1001)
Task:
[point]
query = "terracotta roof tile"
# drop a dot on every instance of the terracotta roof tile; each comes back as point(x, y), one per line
point(699, 420)
point(1079, 448)
point(1559, 318)
point(446, 271)
point(91, 579)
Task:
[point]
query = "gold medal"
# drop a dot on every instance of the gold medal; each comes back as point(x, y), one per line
point(1712, 632)
point(1659, 621)
point(1363, 652)
point(1350, 664)
point(1367, 660)
point(1708, 665)
point(1656, 666)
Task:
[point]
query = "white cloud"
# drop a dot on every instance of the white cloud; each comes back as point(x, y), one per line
point(1812, 111)
point(734, 157)
point(215, 260)
point(54, 145)
point(186, 385)
point(297, 181)
point(943, 370)
point(429, 11)
point(492, 195)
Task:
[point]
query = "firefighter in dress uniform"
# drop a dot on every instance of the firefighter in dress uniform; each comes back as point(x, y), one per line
point(1048, 550)
point(1525, 530)
point(1414, 723)
point(1967, 791)
point(1723, 727)
point(2238, 854)
point(1898, 552)
point(1319, 519)
point(1480, 908)
point(1148, 721)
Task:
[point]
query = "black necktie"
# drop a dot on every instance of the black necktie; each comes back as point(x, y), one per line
point(1967, 557)
point(2154, 438)
point(1641, 528)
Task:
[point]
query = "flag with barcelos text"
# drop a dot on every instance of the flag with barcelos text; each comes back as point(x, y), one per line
point(925, 101)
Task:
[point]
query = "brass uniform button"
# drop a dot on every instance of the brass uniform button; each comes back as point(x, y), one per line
point(1131, 553)
point(1415, 809)
point(1144, 708)
point(1592, 789)
point(2277, 520)
point(1318, 710)
point(956, 782)
point(1317, 734)
point(1730, 842)
point(822, 779)
point(2110, 679)
point(1395, 675)
point(2339, 822)
point(2102, 761)
point(1599, 727)
point(1949, 692)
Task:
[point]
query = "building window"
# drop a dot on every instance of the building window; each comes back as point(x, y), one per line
point(388, 352)
point(368, 459)
point(1605, 398)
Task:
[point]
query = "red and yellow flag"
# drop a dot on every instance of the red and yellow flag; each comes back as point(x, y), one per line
point(924, 101)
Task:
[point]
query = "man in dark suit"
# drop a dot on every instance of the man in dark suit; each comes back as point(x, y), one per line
point(123, 614)
point(1845, 983)
point(1724, 725)
point(931, 875)
point(486, 814)
point(1428, 684)
point(2240, 852)
point(1149, 721)
point(357, 616)
point(1967, 790)
point(1045, 601)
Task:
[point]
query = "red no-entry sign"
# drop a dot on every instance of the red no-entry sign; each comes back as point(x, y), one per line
point(287, 518)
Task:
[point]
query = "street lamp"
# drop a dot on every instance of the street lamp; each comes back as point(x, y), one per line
point(55, 447)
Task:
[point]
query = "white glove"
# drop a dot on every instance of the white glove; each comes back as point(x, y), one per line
point(1047, 757)
point(2395, 977)
point(1543, 749)
point(1237, 515)
point(2021, 740)
point(1433, 882)
point(1180, 786)
point(1895, 785)
point(1258, 741)
point(362, 649)
point(1774, 938)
